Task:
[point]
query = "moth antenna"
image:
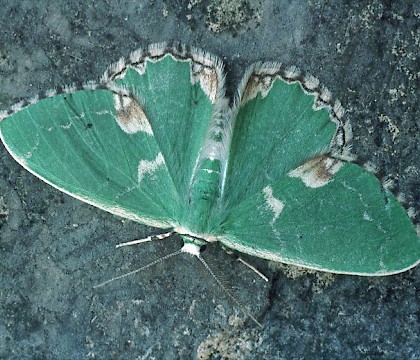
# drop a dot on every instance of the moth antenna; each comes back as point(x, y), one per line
point(166, 257)
point(226, 290)
point(146, 239)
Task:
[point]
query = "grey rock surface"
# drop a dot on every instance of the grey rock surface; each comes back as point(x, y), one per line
point(54, 249)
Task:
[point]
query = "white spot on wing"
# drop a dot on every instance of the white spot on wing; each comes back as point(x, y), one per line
point(66, 126)
point(275, 205)
point(256, 85)
point(317, 172)
point(149, 167)
point(367, 217)
point(207, 78)
point(130, 115)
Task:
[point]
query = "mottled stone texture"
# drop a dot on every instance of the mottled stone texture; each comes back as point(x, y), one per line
point(54, 249)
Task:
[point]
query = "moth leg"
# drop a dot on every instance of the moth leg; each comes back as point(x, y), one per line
point(246, 263)
point(147, 239)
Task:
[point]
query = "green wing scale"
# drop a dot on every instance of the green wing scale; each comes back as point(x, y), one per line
point(349, 225)
point(99, 145)
point(271, 175)
point(306, 205)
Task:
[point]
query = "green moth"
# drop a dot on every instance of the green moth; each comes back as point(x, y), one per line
point(268, 174)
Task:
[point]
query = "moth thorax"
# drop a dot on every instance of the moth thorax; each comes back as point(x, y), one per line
point(206, 183)
point(204, 192)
